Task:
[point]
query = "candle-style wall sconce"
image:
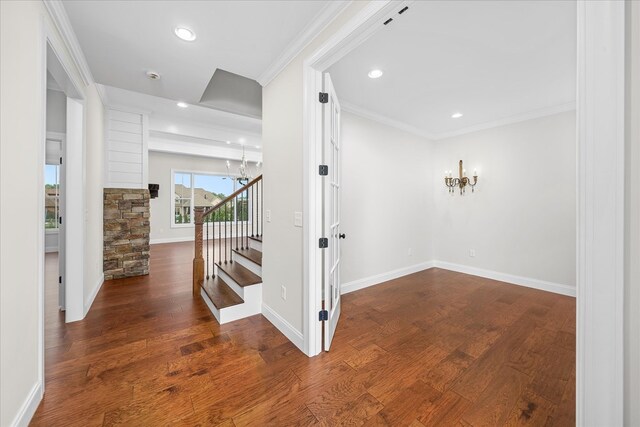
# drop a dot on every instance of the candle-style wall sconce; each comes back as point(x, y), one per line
point(462, 181)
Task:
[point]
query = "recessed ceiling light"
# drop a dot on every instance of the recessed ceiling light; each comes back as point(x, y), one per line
point(257, 146)
point(374, 74)
point(182, 104)
point(241, 140)
point(185, 34)
point(456, 115)
point(228, 142)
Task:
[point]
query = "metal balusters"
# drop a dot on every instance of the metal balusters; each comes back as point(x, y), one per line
point(246, 198)
point(257, 208)
point(251, 211)
point(225, 233)
point(231, 231)
point(207, 248)
point(235, 205)
point(219, 239)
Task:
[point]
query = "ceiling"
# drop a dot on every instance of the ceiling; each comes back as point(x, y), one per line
point(195, 125)
point(490, 60)
point(122, 40)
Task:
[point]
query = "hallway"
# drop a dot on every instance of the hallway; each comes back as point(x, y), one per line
point(432, 348)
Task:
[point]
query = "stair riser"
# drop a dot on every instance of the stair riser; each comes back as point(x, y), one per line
point(247, 263)
point(254, 244)
point(232, 283)
point(251, 306)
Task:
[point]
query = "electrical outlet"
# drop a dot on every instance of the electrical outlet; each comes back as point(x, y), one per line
point(267, 214)
point(283, 292)
point(472, 253)
point(410, 252)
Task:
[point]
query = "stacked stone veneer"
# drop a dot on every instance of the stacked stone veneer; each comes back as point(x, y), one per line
point(126, 233)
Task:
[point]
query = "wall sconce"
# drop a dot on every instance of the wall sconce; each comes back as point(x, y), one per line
point(462, 181)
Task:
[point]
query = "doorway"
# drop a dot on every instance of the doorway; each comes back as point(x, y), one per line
point(600, 106)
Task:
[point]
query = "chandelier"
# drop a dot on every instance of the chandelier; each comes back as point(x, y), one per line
point(244, 174)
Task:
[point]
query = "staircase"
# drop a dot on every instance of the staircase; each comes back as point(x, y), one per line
point(227, 268)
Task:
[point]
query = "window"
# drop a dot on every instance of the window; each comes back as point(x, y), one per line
point(52, 196)
point(201, 190)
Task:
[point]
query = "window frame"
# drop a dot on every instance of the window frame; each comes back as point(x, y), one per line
point(191, 223)
point(56, 228)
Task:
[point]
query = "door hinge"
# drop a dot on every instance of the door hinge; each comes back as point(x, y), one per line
point(323, 315)
point(323, 170)
point(60, 160)
point(60, 280)
point(60, 220)
point(323, 243)
point(323, 97)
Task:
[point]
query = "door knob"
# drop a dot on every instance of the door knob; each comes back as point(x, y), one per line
point(342, 236)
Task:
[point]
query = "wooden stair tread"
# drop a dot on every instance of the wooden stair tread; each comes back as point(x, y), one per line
point(241, 275)
point(220, 294)
point(250, 254)
point(256, 238)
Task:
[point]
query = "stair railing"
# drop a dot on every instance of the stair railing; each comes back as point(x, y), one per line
point(237, 218)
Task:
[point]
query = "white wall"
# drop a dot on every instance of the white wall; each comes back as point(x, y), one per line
point(56, 111)
point(160, 165)
point(387, 200)
point(282, 133)
point(632, 221)
point(521, 220)
point(22, 109)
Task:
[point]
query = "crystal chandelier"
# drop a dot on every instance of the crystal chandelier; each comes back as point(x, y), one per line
point(244, 175)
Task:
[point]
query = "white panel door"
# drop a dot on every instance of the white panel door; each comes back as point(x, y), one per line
point(331, 142)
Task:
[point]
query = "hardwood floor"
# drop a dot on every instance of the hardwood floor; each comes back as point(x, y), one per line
point(433, 348)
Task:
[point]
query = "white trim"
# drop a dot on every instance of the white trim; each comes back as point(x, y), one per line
point(89, 302)
point(172, 239)
point(600, 206)
point(61, 21)
point(360, 27)
point(319, 22)
point(530, 115)
point(370, 115)
point(29, 406)
point(534, 114)
point(366, 282)
point(528, 282)
point(294, 335)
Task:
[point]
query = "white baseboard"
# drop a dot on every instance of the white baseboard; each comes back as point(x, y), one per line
point(28, 408)
point(509, 278)
point(172, 240)
point(384, 277)
point(283, 326)
point(94, 293)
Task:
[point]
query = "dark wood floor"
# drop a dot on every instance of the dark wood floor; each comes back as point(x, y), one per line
point(433, 348)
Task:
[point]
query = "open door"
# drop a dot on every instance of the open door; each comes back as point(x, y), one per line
point(62, 294)
point(331, 212)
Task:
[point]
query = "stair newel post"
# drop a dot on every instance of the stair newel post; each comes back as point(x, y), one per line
point(198, 260)
point(251, 210)
point(258, 211)
point(235, 204)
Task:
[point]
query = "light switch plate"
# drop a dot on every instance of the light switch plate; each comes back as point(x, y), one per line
point(297, 219)
point(267, 214)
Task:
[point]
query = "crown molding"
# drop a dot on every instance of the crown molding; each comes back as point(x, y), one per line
point(534, 114)
point(60, 19)
point(302, 40)
point(370, 115)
